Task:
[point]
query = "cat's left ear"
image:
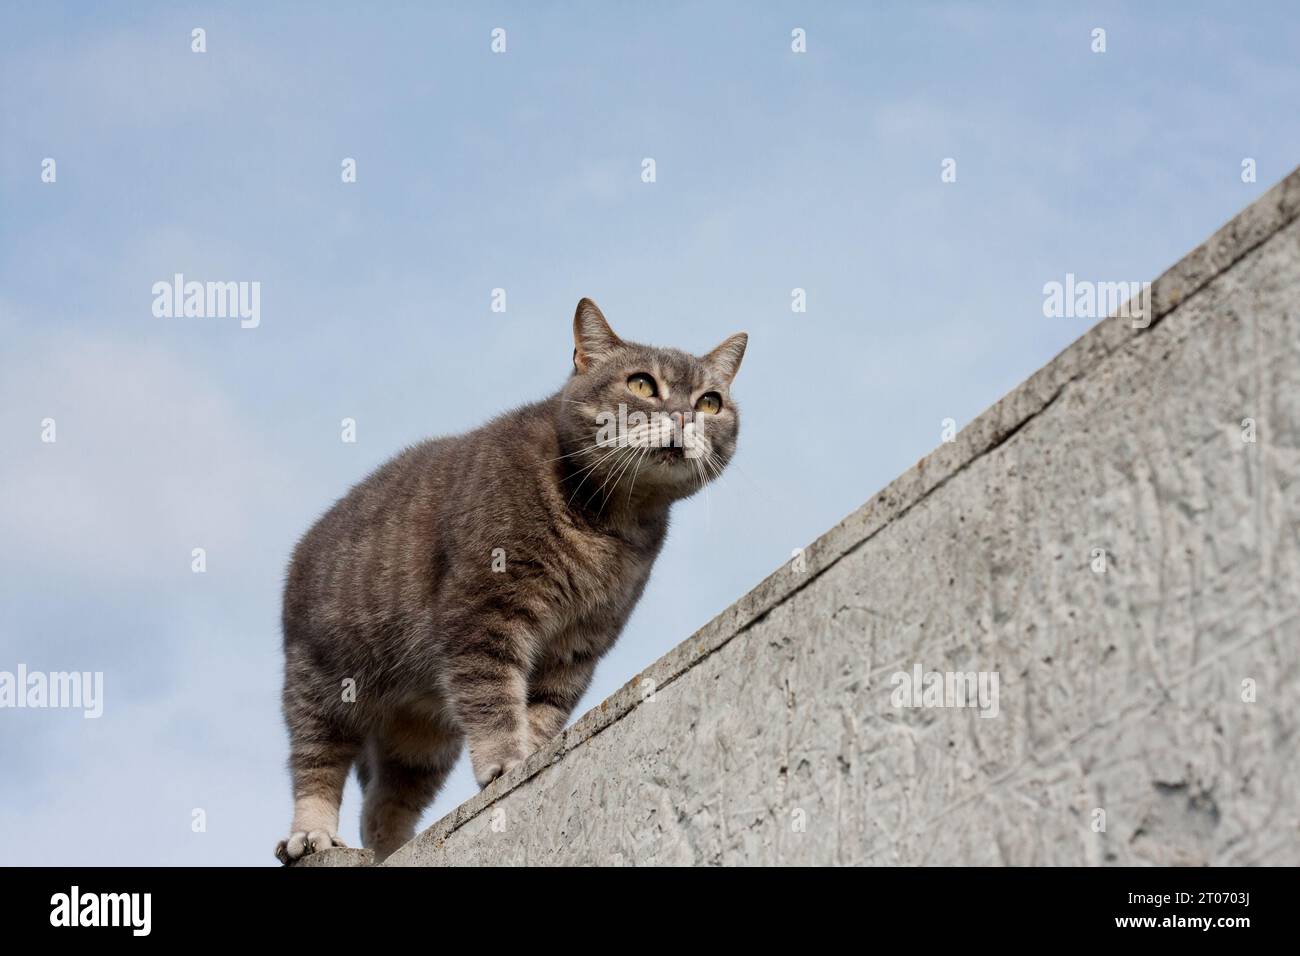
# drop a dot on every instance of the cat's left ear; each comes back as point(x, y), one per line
point(726, 357)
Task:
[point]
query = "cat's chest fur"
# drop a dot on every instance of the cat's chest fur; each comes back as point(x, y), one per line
point(596, 578)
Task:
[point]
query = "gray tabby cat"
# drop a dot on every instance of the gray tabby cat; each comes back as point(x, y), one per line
point(468, 587)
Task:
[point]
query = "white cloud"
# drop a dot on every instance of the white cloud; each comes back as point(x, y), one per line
point(150, 461)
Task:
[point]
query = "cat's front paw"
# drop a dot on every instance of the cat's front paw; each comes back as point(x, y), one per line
point(300, 844)
point(486, 772)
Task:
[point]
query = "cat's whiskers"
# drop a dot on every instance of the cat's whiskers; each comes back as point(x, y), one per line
point(632, 456)
point(708, 512)
point(699, 474)
point(613, 469)
point(590, 468)
point(582, 450)
point(594, 464)
point(640, 460)
point(731, 466)
point(635, 440)
point(635, 467)
point(714, 464)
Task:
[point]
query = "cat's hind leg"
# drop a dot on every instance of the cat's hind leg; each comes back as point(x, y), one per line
point(400, 782)
point(319, 762)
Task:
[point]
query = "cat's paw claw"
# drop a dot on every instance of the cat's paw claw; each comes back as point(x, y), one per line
point(301, 844)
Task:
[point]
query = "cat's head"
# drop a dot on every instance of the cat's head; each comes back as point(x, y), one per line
point(646, 423)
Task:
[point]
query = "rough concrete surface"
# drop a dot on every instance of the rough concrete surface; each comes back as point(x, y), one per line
point(338, 856)
point(1146, 712)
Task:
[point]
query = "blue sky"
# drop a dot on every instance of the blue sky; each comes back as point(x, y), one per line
point(520, 171)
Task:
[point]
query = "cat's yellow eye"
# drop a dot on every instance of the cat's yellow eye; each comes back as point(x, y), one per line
point(710, 403)
point(642, 386)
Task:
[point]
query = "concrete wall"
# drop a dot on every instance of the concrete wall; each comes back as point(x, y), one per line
point(772, 735)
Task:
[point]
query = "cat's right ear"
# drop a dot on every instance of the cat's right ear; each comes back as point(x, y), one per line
point(592, 336)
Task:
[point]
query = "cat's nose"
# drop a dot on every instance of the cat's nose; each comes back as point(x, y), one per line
point(680, 419)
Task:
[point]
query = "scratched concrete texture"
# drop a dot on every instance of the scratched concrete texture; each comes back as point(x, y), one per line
point(1146, 712)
